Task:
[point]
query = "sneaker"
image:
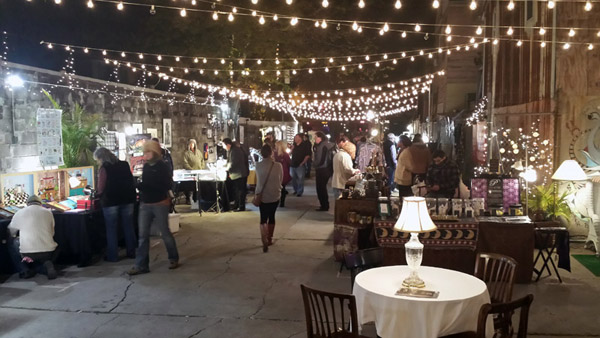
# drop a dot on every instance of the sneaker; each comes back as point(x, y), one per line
point(50, 271)
point(136, 271)
point(173, 265)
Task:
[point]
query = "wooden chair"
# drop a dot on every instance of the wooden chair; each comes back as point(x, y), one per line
point(362, 260)
point(498, 273)
point(505, 311)
point(329, 315)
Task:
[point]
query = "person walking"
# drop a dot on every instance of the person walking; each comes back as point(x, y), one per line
point(269, 175)
point(238, 170)
point(404, 168)
point(342, 165)
point(116, 190)
point(154, 209)
point(35, 248)
point(283, 157)
point(322, 164)
point(389, 152)
point(301, 153)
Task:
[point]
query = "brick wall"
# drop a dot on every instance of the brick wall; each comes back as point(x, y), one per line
point(19, 154)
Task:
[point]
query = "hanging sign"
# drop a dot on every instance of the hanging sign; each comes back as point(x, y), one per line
point(49, 137)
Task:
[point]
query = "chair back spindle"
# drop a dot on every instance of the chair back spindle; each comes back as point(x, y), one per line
point(498, 272)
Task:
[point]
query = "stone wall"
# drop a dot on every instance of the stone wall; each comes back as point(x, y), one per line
point(18, 150)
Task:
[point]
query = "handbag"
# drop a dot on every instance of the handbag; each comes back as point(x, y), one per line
point(258, 197)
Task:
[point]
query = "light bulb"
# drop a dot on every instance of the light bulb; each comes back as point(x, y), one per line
point(196, 60)
point(448, 30)
point(122, 54)
point(473, 5)
point(222, 61)
point(58, 2)
point(367, 58)
point(417, 28)
point(90, 4)
point(495, 42)
point(85, 50)
point(183, 12)
point(120, 5)
point(472, 40)
point(159, 58)
point(590, 46)
point(566, 46)
point(259, 61)
point(386, 27)
point(275, 17)
point(479, 30)
point(261, 20)
point(295, 61)
point(325, 3)
point(588, 6)
point(293, 21)
point(289, 2)
point(519, 43)
point(330, 60)
point(551, 4)
point(104, 52)
point(193, 2)
point(511, 5)
point(509, 31)
point(543, 44)
point(435, 4)
point(215, 16)
point(542, 31)
point(361, 4)
point(359, 29)
point(571, 32)
point(449, 38)
point(254, 2)
point(354, 25)
point(230, 17)
point(324, 24)
point(398, 4)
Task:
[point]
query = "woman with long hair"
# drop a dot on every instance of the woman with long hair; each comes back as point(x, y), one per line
point(282, 156)
point(116, 190)
point(268, 184)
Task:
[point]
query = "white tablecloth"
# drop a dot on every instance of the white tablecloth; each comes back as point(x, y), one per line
point(455, 310)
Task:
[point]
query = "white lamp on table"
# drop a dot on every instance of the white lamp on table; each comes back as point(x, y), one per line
point(414, 218)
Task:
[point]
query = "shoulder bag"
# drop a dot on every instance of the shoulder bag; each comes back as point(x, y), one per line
point(258, 197)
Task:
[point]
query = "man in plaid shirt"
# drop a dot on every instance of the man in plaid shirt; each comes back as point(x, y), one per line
point(443, 176)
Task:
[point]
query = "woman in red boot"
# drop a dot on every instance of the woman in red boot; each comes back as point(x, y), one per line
point(268, 185)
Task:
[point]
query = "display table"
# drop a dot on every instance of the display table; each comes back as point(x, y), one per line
point(79, 236)
point(455, 310)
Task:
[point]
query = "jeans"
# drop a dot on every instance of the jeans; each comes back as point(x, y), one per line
point(322, 176)
point(149, 213)
point(112, 216)
point(267, 212)
point(240, 191)
point(39, 258)
point(336, 193)
point(298, 179)
point(390, 171)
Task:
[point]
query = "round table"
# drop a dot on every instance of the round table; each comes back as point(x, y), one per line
point(455, 310)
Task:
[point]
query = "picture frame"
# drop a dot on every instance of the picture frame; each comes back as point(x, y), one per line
point(5, 214)
point(167, 133)
point(138, 128)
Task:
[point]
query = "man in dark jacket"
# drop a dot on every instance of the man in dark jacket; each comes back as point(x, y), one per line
point(443, 176)
point(321, 162)
point(301, 154)
point(389, 152)
point(237, 167)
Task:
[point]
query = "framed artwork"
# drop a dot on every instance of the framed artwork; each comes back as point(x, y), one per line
point(152, 131)
point(167, 133)
point(78, 179)
point(16, 188)
point(138, 128)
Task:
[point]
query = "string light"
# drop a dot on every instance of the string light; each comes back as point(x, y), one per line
point(511, 5)
point(361, 4)
point(566, 46)
point(120, 5)
point(324, 24)
point(590, 46)
point(519, 43)
point(90, 4)
point(293, 21)
point(588, 6)
point(435, 4)
point(542, 31)
point(289, 2)
point(398, 4)
point(473, 5)
point(58, 2)
point(417, 28)
point(509, 31)
point(479, 30)
point(183, 12)
point(551, 4)
point(261, 20)
point(448, 30)
point(325, 3)
point(571, 32)
point(215, 16)
point(230, 17)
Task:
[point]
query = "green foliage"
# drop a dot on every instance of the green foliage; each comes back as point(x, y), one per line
point(545, 200)
point(79, 133)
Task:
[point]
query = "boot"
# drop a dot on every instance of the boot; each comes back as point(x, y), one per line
point(264, 236)
point(271, 231)
point(282, 199)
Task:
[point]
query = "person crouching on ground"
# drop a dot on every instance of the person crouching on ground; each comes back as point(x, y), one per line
point(116, 189)
point(36, 246)
point(268, 183)
point(154, 207)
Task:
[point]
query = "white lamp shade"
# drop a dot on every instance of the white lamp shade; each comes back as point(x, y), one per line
point(414, 216)
point(569, 170)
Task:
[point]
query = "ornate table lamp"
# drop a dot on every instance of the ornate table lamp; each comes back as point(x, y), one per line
point(414, 218)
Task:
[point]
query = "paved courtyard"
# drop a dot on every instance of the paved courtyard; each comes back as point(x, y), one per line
point(227, 287)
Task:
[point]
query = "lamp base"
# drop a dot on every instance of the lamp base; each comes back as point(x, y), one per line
point(413, 281)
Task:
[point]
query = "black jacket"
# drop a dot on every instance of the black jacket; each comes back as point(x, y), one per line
point(156, 182)
point(119, 187)
point(237, 163)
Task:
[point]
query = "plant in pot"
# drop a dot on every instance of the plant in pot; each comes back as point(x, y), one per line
point(545, 203)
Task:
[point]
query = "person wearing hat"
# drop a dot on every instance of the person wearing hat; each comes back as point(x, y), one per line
point(155, 203)
point(35, 247)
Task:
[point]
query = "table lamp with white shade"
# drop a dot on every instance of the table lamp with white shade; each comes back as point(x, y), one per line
point(414, 218)
point(569, 170)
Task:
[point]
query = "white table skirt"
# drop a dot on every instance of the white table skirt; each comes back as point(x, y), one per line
point(455, 310)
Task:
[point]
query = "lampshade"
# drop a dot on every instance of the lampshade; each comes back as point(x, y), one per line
point(414, 216)
point(569, 170)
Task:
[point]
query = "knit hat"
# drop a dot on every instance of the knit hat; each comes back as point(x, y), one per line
point(33, 199)
point(152, 146)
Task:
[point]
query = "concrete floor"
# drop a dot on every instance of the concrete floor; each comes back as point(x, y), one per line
point(227, 287)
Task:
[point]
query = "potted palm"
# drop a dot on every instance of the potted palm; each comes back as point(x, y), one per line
point(545, 203)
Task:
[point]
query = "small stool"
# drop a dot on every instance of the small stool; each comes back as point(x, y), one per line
point(546, 242)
